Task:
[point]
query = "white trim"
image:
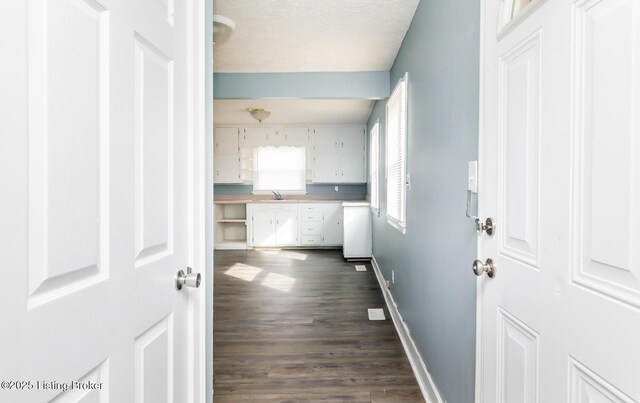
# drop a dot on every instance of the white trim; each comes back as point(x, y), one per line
point(427, 386)
point(199, 206)
point(204, 83)
point(479, 380)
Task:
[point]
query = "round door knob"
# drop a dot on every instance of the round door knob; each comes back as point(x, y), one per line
point(488, 267)
point(187, 280)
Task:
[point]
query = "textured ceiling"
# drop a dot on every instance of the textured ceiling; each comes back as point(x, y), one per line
point(313, 35)
point(294, 111)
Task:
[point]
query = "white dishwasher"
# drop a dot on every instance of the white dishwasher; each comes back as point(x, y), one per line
point(357, 230)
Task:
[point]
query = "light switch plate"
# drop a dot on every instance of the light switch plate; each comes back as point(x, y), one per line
point(473, 176)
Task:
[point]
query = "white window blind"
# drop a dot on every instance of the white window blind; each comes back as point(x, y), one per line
point(280, 169)
point(374, 166)
point(396, 161)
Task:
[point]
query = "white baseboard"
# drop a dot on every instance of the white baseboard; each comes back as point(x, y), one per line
point(428, 388)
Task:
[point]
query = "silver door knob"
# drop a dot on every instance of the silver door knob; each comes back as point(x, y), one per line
point(187, 280)
point(480, 268)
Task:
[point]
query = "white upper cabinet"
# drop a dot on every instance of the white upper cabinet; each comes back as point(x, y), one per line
point(226, 159)
point(255, 136)
point(339, 155)
point(301, 136)
point(297, 136)
point(334, 153)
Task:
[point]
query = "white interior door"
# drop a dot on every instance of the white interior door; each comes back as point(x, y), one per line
point(94, 156)
point(560, 321)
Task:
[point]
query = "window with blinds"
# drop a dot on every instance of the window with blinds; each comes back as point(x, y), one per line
point(280, 169)
point(396, 150)
point(374, 166)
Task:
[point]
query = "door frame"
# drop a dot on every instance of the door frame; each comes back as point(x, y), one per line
point(479, 380)
point(200, 198)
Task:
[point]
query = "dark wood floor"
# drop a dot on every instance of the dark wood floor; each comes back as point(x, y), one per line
point(292, 326)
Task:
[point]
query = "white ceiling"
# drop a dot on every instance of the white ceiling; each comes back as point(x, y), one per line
point(294, 111)
point(312, 35)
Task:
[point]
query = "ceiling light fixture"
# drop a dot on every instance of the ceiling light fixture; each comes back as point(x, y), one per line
point(259, 114)
point(223, 28)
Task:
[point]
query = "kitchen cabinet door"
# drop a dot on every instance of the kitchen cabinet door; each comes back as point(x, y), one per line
point(352, 154)
point(255, 136)
point(286, 228)
point(300, 136)
point(226, 160)
point(333, 225)
point(226, 141)
point(326, 158)
point(227, 169)
point(264, 228)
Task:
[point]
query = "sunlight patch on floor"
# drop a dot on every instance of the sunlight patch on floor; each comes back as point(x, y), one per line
point(284, 253)
point(243, 271)
point(279, 282)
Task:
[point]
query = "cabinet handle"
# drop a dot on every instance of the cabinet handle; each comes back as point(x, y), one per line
point(270, 222)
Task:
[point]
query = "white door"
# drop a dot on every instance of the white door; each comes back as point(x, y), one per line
point(286, 228)
point(325, 155)
point(333, 231)
point(560, 321)
point(352, 154)
point(264, 228)
point(93, 162)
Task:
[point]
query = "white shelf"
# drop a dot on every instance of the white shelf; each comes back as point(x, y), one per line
point(231, 226)
point(231, 245)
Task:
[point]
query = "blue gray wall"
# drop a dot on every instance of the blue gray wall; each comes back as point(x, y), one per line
point(314, 190)
point(434, 286)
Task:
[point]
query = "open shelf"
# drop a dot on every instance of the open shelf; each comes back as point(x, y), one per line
point(231, 220)
point(231, 226)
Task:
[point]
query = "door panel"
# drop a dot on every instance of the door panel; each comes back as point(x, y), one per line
point(154, 141)
point(560, 112)
point(519, 138)
point(66, 132)
point(608, 150)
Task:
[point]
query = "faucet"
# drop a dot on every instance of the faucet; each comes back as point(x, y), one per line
point(277, 194)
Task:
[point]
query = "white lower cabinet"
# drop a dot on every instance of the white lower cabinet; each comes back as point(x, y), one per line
point(274, 225)
point(333, 224)
point(296, 224)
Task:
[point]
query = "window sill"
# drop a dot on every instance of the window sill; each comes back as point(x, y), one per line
point(397, 225)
